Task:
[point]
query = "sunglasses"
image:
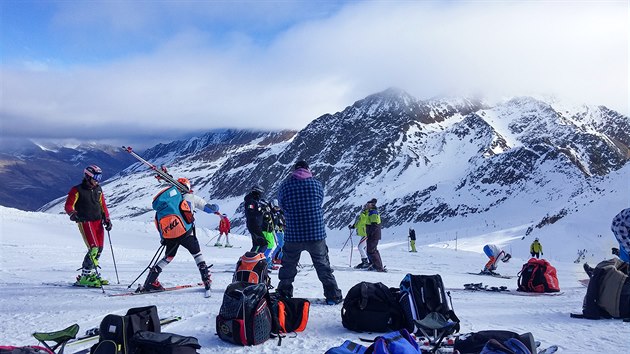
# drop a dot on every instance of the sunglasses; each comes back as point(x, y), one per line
point(97, 177)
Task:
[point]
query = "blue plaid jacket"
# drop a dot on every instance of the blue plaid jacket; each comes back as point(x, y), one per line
point(301, 197)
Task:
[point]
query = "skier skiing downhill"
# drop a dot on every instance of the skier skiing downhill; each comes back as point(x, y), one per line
point(359, 226)
point(86, 206)
point(174, 220)
point(495, 254)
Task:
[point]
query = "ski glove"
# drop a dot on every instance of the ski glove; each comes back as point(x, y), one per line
point(74, 216)
point(108, 224)
point(211, 208)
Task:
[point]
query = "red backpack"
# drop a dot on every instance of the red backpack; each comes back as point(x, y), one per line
point(538, 276)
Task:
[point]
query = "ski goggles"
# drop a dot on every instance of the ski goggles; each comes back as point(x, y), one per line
point(97, 177)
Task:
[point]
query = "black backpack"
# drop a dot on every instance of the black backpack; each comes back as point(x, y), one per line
point(469, 343)
point(244, 317)
point(372, 307)
point(146, 342)
point(120, 329)
point(421, 295)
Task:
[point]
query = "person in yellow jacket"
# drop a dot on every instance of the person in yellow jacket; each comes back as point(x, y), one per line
point(359, 226)
point(536, 249)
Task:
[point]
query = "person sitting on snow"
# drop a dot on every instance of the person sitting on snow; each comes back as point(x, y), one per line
point(495, 254)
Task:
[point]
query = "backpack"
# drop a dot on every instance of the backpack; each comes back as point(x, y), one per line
point(372, 307)
point(147, 342)
point(421, 295)
point(475, 342)
point(120, 329)
point(538, 276)
point(510, 346)
point(348, 347)
point(288, 314)
point(252, 268)
point(29, 349)
point(106, 347)
point(244, 317)
point(173, 215)
point(397, 342)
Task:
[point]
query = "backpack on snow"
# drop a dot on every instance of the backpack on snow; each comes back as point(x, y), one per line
point(421, 295)
point(372, 307)
point(538, 276)
point(244, 317)
point(288, 314)
point(146, 342)
point(475, 342)
point(120, 329)
point(252, 268)
point(173, 215)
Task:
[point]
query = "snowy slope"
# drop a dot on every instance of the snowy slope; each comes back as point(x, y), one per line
point(39, 248)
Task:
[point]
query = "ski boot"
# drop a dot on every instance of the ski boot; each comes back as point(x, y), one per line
point(103, 281)
point(89, 280)
point(363, 265)
point(218, 244)
point(155, 286)
point(227, 245)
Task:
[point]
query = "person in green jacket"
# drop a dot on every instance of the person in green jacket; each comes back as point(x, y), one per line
point(536, 249)
point(359, 226)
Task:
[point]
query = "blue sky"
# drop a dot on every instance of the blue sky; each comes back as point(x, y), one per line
point(119, 70)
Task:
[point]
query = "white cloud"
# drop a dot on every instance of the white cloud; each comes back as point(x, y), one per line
point(573, 50)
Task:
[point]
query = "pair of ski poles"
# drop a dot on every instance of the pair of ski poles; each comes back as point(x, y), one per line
point(351, 246)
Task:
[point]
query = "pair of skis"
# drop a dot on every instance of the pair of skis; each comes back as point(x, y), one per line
point(161, 172)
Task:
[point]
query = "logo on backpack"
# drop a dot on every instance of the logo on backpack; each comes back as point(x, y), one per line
point(173, 215)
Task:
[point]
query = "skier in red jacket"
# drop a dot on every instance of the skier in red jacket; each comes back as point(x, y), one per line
point(224, 229)
point(86, 206)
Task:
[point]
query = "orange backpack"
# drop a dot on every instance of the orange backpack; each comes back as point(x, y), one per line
point(252, 268)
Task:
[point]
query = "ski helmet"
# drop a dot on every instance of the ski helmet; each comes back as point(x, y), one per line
point(185, 182)
point(258, 188)
point(93, 172)
point(275, 204)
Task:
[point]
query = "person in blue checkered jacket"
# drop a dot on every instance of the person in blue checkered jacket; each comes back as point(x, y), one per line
point(301, 197)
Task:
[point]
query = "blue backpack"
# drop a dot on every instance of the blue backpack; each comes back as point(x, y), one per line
point(173, 215)
point(397, 342)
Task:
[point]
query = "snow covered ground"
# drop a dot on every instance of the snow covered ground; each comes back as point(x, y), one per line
point(38, 248)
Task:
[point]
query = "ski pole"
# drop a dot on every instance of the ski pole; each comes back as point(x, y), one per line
point(207, 244)
point(349, 237)
point(98, 274)
point(154, 259)
point(351, 250)
point(113, 258)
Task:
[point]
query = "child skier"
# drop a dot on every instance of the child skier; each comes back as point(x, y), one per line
point(175, 222)
point(224, 229)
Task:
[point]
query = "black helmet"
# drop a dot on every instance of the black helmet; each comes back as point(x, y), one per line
point(258, 188)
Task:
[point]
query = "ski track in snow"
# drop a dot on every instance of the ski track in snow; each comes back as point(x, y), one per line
point(38, 248)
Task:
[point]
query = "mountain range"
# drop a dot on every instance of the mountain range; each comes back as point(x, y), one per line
point(32, 174)
point(522, 161)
